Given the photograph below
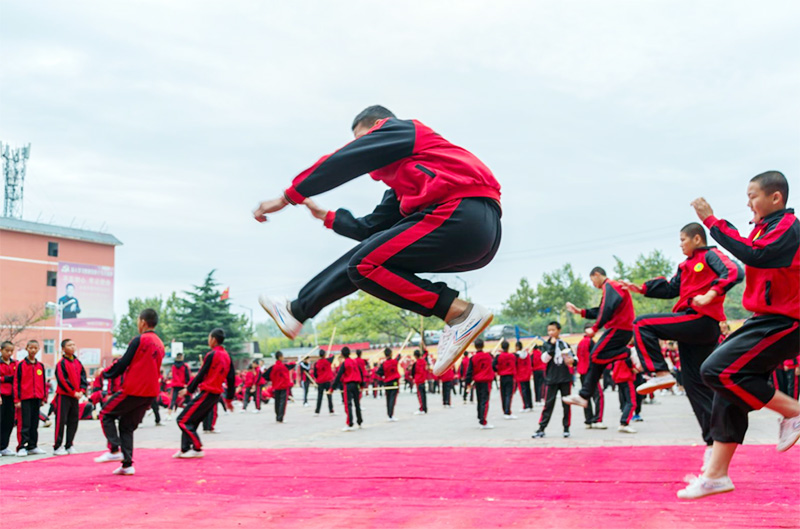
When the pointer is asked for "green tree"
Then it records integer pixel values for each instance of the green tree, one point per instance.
(127, 329)
(558, 287)
(647, 267)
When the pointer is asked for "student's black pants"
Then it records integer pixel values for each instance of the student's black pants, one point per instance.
(352, 401)
(391, 389)
(173, 403)
(469, 391)
(155, 406)
(506, 392)
(550, 392)
(456, 236)
(538, 385)
(67, 417)
(447, 392)
(627, 401)
(210, 420)
(593, 413)
(306, 385)
(7, 420)
(28, 425)
(192, 415)
(739, 369)
(525, 393)
(483, 391)
(280, 404)
(612, 346)
(249, 393)
(129, 411)
(322, 389)
(422, 397)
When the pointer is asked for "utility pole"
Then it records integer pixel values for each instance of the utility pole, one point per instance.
(14, 167)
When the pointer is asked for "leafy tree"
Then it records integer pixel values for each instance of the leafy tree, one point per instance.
(127, 326)
(646, 267)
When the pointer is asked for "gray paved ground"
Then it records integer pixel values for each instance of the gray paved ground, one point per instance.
(669, 422)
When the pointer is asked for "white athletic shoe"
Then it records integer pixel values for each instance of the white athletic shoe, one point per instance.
(588, 426)
(124, 471)
(575, 400)
(348, 429)
(420, 412)
(242, 410)
(190, 454)
(279, 311)
(507, 417)
(487, 427)
(7, 452)
(108, 456)
(656, 383)
(599, 426)
(513, 417)
(254, 410)
(392, 419)
(706, 458)
(456, 338)
(700, 486)
(789, 433)
(625, 428)
(60, 452)
(22, 452)
(36, 451)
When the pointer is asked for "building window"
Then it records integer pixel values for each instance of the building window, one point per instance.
(52, 249)
(51, 278)
(49, 347)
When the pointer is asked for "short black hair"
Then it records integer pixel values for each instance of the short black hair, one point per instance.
(32, 341)
(70, 285)
(219, 335)
(478, 344)
(322, 353)
(518, 345)
(504, 345)
(555, 324)
(278, 355)
(64, 342)
(345, 351)
(178, 355)
(150, 317)
(387, 352)
(695, 228)
(6, 344)
(772, 181)
(370, 115)
(358, 353)
(598, 270)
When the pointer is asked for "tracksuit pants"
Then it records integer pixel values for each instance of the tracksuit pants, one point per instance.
(627, 401)
(538, 385)
(739, 369)
(447, 392)
(422, 397)
(392, 388)
(483, 391)
(7, 420)
(129, 410)
(210, 420)
(250, 393)
(280, 404)
(352, 401)
(506, 392)
(28, 424)
(173, 403)
(469, 392)
(156, 407)
(593, 413)
(192, 415)
(306, 386)
(612, 346)
(456, 236)
(525, 393)
(551, 391)
(67, 417)
(322, 389)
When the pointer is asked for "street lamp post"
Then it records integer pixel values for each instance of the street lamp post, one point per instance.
(466, 292)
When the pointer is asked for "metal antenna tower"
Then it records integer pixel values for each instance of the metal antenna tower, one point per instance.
(14, 165)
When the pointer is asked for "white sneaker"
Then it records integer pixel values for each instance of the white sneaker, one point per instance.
(71, 450)
(348, 429)
(700, 486)
(575, 400)
(599, 426)
(456, 338)
(279, 311)
(36, 451)
(191, 454)
(22, 452)
(392, 419)
(60, 452)
(706, 458)
(513, 417)
(108, 456)
(487, 427)
(656, 383)
(242, 410)
(255, 411)
(124, 471)
(507, 417)
(316, 415)
(788, 433)
(420, 412)
(305, 404)
(626, 429)
(588, 426)
(7, 452)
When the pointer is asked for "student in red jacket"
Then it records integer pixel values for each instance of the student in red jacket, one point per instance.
(71, 385)
(523, 374)
(481, 372)
(442, 213)
(539, 368)
(8, 366)
(141, 368)
(447, 379)
(179, 378)
(30, 390)
(278, 375)
(466, 389)
(389, 373)
(593, 413)
(624, 374)
(615, 314)
(505, 364)
(322, 372)
(419, 370)
(217, 371)
(252, 377)
(351, 378)
(738, 369)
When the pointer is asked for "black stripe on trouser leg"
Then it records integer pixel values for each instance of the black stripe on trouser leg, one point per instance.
(686, 326)
(191, 416)
(613, 345)
(739, 369)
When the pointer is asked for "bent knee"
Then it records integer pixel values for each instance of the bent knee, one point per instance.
(710, 374)
(359, 269)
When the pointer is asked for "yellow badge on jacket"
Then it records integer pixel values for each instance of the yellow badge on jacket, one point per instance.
(698, 267)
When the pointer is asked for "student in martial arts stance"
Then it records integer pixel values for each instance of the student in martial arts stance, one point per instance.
(351, 378)
(278, 375)
(505, 364)
(442, 214)
(593, 413)
(481, 372)
(71, 385)
(323, 374)
(390, 375)
(558, 358)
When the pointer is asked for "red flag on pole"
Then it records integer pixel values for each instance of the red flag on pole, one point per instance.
(225, 294)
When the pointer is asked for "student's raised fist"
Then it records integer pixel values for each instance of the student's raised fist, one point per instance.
(627, 285)
(702, 208)
(572, 308)
(269, 206)
(315, 210)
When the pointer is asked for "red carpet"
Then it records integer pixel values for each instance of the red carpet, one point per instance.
(390, 487)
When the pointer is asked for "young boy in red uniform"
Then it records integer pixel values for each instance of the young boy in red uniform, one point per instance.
(179, 378)
(447, 379)
(738, 369)
(419, 370)
(523, 374)
(593, 413)
(351, 378)
(141, 368)
(71, 385)
(251, 377)
(30, 390)
(389, 373)
(481, 372)
(278, 375)
(8, 366)
(505, 364)
(217, 370)
(624, 375)
(322, 371)
(466, 389)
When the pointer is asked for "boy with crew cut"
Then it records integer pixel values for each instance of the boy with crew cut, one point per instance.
(615, 314)
(350, 376)
(217, 371)
(700, 284)
(390, 375)
(180, 376)
(419, 370)
(278, 375)
(71, 385)
(8, 366)
(30, 390)
(558, 358)
(739, 368)
(140, 368)
(480, 372)
(322, 370)
(505, 364)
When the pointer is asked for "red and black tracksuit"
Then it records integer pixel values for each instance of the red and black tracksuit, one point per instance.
(462, 371)
(252, 379)
(447, 378)
(738, 370)
(278, 374)
(624, 377)
(217, 370)
(695, 328)
(524, 372)
(140, 368)
(593, 413)
(180, 377)
(505, 364)
(615, 314)
(351, 377)
(538, 373)
(70, 379)
(30, 390)
(481, 371)
(7, 409)
(557, 378)
(389, 373)
(419, 370)
(442, 214)
(322, 371)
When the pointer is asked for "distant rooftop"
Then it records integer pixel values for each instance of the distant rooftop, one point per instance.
(24, 226)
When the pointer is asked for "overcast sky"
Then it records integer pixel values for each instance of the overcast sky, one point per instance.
(166, 122)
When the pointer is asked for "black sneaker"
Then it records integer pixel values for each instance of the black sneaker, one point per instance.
(566, 434)
(538, 435)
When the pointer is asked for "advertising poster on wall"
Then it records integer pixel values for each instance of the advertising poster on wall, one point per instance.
(85, 296)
